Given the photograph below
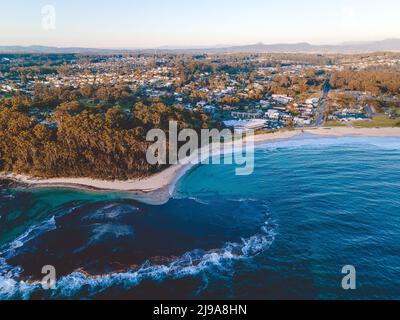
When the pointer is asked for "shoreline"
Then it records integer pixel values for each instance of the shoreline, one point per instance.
(355, 132)
(159, 188)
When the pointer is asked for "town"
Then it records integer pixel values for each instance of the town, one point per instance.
(241, 91)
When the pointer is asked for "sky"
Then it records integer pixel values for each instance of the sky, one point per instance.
(194, 23)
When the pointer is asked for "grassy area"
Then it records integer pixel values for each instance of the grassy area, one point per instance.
(380, 121)
(88, 103)
(126, 107)
(333, 124)
(6, 96)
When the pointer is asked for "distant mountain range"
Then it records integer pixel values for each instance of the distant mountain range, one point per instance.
(385, 45)
(347, 47)
(44, 49)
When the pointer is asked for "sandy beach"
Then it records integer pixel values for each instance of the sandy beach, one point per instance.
(157, 189)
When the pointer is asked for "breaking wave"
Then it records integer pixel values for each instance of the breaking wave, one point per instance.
(189, 264)
(7, 251)
(106, 221)
(312, 141)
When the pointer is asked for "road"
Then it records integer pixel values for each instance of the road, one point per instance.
(320, 116)
(370, 110)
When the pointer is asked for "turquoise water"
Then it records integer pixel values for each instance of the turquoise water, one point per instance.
(312, 206)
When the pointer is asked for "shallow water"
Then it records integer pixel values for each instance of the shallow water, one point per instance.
(312, 206)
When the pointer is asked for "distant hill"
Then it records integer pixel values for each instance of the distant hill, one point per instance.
(373, 46)
(44, 49)
(384, 45)
(303, 47)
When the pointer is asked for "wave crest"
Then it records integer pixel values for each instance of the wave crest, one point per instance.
(190, 264)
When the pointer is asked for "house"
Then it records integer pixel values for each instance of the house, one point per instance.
(285, 116)
(302, 121)
(245, 125)
(247, 115)
(273, 114)
(265, 103)
(352, 117)
(282, 99)
(226, 108)
(312, 101)
(209, 109)
(201, 104)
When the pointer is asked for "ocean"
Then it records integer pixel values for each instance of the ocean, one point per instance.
(312, 206)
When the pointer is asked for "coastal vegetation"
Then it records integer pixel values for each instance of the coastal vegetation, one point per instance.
(71, 140)
(75, 115)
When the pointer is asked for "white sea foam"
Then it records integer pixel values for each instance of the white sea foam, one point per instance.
(244, 200)
(111, 211)
(8, 286)
(28, 235)
(190, 264)
(103, 232)
(198, 200)
(323, 142)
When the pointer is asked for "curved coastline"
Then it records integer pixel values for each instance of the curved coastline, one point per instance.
(159, 188)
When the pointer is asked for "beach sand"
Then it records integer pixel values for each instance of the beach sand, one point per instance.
(158, 189)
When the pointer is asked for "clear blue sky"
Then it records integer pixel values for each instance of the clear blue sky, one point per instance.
(154, 23)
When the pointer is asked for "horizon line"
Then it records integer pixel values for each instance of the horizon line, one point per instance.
(199, 47)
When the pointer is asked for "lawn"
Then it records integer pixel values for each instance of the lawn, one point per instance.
(333, 124)
(380, 121)
(90, 104)
(6, 96)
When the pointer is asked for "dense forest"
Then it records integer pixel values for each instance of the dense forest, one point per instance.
(376, 82)
(78, 141)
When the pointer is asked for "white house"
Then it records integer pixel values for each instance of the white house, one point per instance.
(245, 125)
(312, 101)
(273, 114)
(302, 121)
(282, 98)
